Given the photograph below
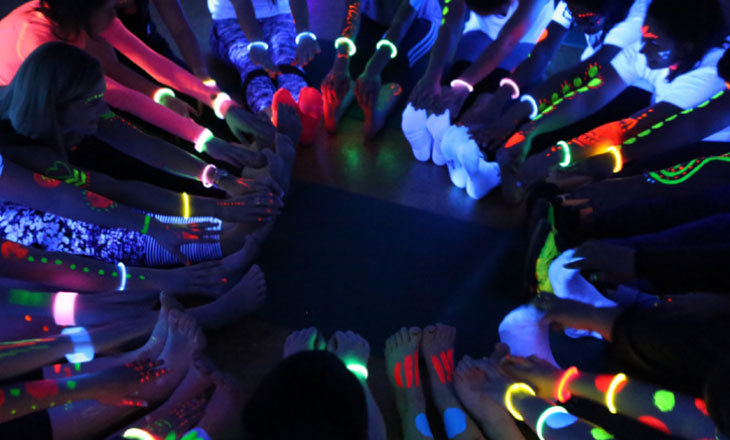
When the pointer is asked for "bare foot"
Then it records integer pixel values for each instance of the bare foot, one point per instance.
(289, 123)
(237, 263)
(307, 339)
(401, 362)
(184, 338)
(222, 418)
(245, 297)
(476, 392)
(438, 353)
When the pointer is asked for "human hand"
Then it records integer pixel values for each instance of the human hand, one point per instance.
(367, 89)
(336, 84)
(451, 98)
(118, 386)
(242, 122)
(537, 168)
(349, 347)
(425, 91)
(258, 206)
(307, 49)
(226, 152)
(605, 263)
(172, 236)
(238, 186)
(262, 57)
(492, 136)
(179, 106)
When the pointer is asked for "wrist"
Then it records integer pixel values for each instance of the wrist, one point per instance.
(304, 34)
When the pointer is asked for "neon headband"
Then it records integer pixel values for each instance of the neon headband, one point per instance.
(203, 138)
(618, 159)
(515, 88)
(64, 308)
(529, 99)
(516, 387)
(540, 425)
(305, 34)
(122, 276)
(562, 393)
(185, 205)
(351, 48)
(390, 45)
(83, 348)
(566, 157)
(359, 370)
(220, 100)
(262, 44)
(161, 93)
(612, 390)
(460, 82)
(205, 178)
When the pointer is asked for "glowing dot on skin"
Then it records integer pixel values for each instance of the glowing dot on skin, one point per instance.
(71, 385)
(58, 262)
(600, 434)
(77, 367)
(15, 392)
(655, 423)
(33, 407)
(28, 318)
(72, 267)
(86, 269)
(664, 400)
(12, 412)
(114, 274)
(701, 406)
(141, 277)
(44, 260)
(31, 259)
(101, 271)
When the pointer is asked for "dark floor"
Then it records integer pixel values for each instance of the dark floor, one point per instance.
(372, 240)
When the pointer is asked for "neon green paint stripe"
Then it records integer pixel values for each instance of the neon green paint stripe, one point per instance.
(689, 174)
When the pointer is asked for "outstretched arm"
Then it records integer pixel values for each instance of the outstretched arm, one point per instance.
(173, 16)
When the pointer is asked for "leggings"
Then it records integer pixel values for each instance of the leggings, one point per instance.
(54, 233)
(229, 43)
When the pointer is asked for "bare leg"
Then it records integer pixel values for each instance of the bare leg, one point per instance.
(375, 118)
(333, 111)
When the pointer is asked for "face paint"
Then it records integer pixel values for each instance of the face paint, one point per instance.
(516, 388)
(196, 434)
(97, 97)
(454, 422)
(444, 366)
(423, 426)
(83, 348)
(146, 226)
(353, 16)
(600, 434)
(45, 182)
(68, 174)
(655, 423)
(553, 411)
(26, 298)
(10, 249)
(648, 35)
(616, 385)
(701, 406)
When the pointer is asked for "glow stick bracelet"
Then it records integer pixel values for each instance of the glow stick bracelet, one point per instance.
(64, 308)
(351, 48)
(612, 390)
(390, 45)
(514, 388)
(566, 154)
(461, 83)
(515, 88)
(83, 348)
(123, 276)
(529, 99)
(205, 178)
(185, 205)
(203, 138)
(161, 93)
(540, 425)
(220, 100)
(262, 44)
(562, 392)
(305, 34)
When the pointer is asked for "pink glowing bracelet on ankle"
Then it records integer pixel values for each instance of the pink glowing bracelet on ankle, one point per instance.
(64, 308)
(208, 180)
(515, 88)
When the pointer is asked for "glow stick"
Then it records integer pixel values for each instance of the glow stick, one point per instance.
(351, 48)
(562, 393)
(461, 83)
(516, 387)
(529, 99)
(161, 93)
(305, 34)
(205, 178)
(83, 348)
(611, 392)
(566, 157)
(203, 138)
(515, 88)
(64, 308)
(262, 44)
(220, 100)
(618, 159)
(540, 425)
(359, 370)
(390, 45)
(123, 274)
(185, 205)
(137, 434)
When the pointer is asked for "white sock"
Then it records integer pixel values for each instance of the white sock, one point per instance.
(453, 137)
(437, 126)
(413, 124)
(482, 176)
(570, 284)
(522, 331)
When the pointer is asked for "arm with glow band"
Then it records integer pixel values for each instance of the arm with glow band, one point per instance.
(541, 415)
(672, 412)
(394, 35)
(157, 66)
(136, 194)
(300, 13)
(246, 14)
(509, 36)
(444, 49)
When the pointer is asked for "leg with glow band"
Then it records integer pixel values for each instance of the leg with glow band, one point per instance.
(280, 31)
(411, 402)
(375, 118)
(438, 353)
